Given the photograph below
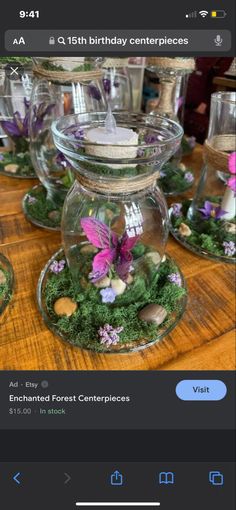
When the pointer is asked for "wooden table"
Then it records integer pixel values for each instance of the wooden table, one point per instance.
(204, 339)
(224, 83)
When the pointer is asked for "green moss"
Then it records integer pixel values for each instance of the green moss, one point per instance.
(22, 60)
(22, 159)
(208, 234)
(5, 292)
(174, 179)
(42, 207)
(82, 327)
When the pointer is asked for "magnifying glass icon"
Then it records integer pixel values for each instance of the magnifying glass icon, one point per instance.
(61, 40)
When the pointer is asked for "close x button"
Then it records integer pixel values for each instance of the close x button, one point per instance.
(201, 390)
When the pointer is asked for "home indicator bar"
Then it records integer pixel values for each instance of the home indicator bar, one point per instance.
(102, 504)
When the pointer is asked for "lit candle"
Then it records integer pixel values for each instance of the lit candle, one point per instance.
(116, 142)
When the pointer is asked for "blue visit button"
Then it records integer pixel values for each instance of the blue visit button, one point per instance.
(201, 390)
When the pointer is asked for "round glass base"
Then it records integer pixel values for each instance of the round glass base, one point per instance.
(191, 242)
(40, 210)
(6, 282)
(175, 180)
(80, 323)
(17, 166)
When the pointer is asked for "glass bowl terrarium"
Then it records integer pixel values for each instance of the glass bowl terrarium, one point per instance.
(15, 160)
(112, 288)
(117, 84)
(173, 74)
(206, 225)
(61, 86)
(6, 282)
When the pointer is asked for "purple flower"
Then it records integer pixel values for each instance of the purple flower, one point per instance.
(94, 92)
(62, 161)
(229, 247)
(57, 266)
(162, 173)
(32, 200)
(39, 113)
(188, 177)
(18, 126)
(150, 138)
(109, 335)
(175, 278)
(191, 141)
(108, 295)
(176, 210)
(107, 85)
(211, 211)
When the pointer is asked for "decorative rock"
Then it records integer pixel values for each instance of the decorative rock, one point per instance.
(155, 257)
(230, 227)
(118, 286)
(88, 248)
(163, 259)
(153, 313)
(184, 230)
(11, 168)
(65, 306)
(103, 283)
(130, 279)
(54, 215)
(182, 167)
(3, 278)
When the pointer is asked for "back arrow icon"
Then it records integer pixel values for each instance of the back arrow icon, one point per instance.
(16, 478)
(67, 478)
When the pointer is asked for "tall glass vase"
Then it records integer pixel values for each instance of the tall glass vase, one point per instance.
(117, 84)
(210, 217)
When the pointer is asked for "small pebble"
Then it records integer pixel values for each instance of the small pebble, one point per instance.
(3, 278)
(11, 168)
(118, 286)
(184, 230)
(130, 279)
(54, 215)
(153, 313)
(155, 257)
(103, 283)
(88, 248)
(230, 227)
(65, 306)
(182, 167)
(163, 258)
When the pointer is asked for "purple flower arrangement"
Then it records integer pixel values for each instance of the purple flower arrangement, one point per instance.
(18, 127)
(211, 211)
(109, 335)
(39, 114)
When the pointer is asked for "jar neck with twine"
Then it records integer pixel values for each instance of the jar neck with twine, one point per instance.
(66, 76)
(216, 151)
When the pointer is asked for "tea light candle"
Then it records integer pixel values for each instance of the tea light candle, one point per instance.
(116, 142)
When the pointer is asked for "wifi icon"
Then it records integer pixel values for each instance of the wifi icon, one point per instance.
(203, 14)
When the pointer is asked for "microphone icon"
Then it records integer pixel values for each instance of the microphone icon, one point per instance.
(218, 40)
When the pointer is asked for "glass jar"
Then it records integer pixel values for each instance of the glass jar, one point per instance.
(173, 75)
(114, 230)
(15, 160)
(61, 86)
(21, 85)
(210, 217)
(117, 84)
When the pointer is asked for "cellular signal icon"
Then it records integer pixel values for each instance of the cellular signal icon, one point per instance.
(191, 15)
(203, 14)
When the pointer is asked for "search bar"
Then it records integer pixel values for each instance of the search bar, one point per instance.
(126, 41)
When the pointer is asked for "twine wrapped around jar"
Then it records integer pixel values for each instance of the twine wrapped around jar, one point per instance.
(176, 63)
(66, 76)
(115, 62)
(120, 185)
(216, 151)
(165, 105)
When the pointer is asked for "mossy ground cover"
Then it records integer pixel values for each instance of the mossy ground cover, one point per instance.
(5, 288)
(23, 162)
(81, 328)
(38, 207)
(174, 179)
(207, 234)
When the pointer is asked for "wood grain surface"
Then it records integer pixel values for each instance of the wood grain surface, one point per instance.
(204, 339)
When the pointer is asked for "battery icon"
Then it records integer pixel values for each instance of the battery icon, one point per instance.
(218, 14)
